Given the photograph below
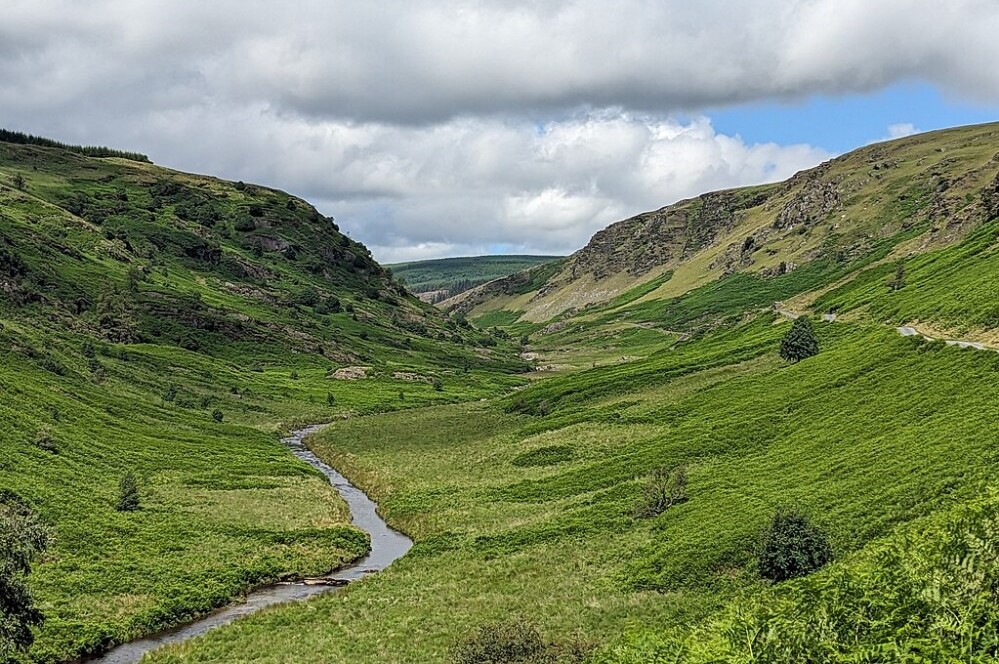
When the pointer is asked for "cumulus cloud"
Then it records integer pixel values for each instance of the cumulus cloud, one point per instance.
(901, 130)
(407, 61)
(471, 185)
(463, 125)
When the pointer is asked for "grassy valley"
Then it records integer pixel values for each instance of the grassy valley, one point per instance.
(170, 326)
(529, 494)
(533, 512)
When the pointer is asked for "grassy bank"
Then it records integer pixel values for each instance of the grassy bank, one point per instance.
(520, 513)
(170, 326)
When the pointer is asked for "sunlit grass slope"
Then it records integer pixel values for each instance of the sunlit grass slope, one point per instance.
(171, 325)
(526, 506)
(880, 203)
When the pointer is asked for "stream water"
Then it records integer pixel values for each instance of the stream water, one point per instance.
(387, 545)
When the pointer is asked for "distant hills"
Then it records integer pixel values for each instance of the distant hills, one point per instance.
(437, 280)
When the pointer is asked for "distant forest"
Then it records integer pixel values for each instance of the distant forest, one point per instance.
(20, 138)
(446, 277)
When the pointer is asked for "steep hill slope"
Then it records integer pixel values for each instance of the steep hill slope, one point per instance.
(169, 325)
(536, 511)
(878, 204)
(436, 280)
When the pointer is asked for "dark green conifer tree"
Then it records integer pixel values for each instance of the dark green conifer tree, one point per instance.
(799, 342)
(128, 493)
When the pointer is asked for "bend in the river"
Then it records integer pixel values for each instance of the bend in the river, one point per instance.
(387, 545)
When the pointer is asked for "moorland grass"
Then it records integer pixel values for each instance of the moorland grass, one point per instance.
(874, 433)
(170, 326)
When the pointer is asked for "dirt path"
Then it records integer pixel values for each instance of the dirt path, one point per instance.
(905, 331)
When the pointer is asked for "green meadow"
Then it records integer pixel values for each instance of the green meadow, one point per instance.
(171, 327)
(526, 506)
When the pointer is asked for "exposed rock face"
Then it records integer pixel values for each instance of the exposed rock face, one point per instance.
(350, 373)
(935, 188)
(411, 377)
(816, 200)
(665, 236)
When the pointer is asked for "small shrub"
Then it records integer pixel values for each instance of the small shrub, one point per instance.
(53, 365)
(330, 399)
(171, 394)
(309, 297)
(438, 384)
(87, 349)
(792, 547)
(128, 493)
(217, 415)
(664, 488)
(516, 642)
(45, 442)
(496, 643)
(294, 375)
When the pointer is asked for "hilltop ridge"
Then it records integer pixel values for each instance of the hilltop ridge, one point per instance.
(882, 202)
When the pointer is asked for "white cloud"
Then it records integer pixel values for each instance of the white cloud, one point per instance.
(466, 186)
(901, 130)
(460, 125)
(416, 61)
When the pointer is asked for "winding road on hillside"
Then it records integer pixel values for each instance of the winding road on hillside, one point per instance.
(387, 545)
(905, 330)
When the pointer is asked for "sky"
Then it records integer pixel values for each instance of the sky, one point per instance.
(463, 127)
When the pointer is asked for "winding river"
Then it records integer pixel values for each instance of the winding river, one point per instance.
(387, 545)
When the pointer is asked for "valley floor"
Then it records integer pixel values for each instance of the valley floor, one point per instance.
(526, 506)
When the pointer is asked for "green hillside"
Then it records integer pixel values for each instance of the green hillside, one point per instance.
(532, 512)
(170, 325)
(614, 502)
(534, 506)
(446, 277)
(885, 203)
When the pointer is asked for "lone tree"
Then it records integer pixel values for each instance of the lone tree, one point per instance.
(128, 493)
(664, 488)
(799, 343)
(792, 547)
(22, 538)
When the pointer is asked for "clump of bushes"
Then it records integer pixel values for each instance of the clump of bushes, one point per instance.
(24, 538)
(792, 547)
(45, 442)
(218, 415)
(664, 488)
(516, 642)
